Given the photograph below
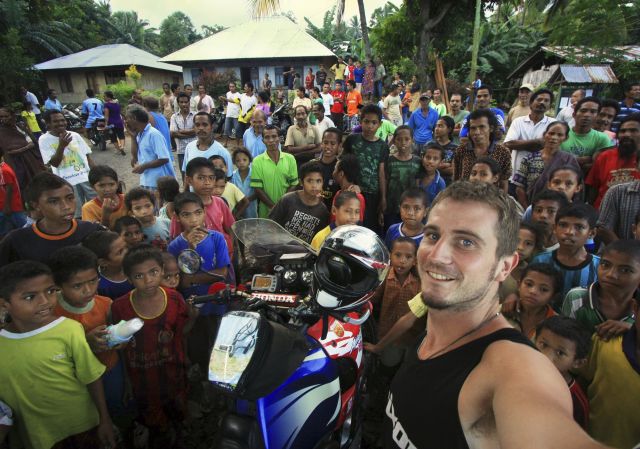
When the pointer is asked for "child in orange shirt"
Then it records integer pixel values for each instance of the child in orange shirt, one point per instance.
(108, 205)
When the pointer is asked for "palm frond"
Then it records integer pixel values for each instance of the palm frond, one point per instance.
(263, 8)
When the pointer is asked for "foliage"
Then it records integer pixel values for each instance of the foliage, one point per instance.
(211, 30)
(122, 91)
(133, 75)
(176, 32)
(381, 13)
(405, 66)
(19, 71)
(342, 39)
(134, 31)
(216, 83)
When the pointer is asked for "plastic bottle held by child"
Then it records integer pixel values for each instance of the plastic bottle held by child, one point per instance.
(123, 331)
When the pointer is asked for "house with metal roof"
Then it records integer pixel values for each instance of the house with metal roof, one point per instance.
(251, 49)
(96, 67)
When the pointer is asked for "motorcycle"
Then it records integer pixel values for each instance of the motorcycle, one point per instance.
(296, 372)
(282, 119)
(218, 117)
(99, 134)
(72, 114)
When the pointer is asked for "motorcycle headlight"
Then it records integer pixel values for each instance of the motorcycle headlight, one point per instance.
(307, 276)
(290, 276)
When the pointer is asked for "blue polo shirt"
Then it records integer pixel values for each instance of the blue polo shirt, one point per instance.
(253, 143)
(163, 127)
(192, 151)
(435, 187)
(94, 110)
(422, 125)
(52, 105)
(151, 147)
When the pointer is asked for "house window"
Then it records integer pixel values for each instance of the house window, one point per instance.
(113, 76)
(64, 79)
(195, 77)
(278, 80)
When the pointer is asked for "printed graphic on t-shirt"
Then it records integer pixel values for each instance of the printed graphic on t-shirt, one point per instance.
(302, 225)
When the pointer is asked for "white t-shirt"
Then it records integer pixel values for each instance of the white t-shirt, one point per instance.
(523, 128)
(325, 124)
(247, 102)
(74, 166)
(233, 109)
(327, 102)
(207, 103)
(392, 107)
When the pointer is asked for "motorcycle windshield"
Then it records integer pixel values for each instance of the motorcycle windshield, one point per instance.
(262, 241)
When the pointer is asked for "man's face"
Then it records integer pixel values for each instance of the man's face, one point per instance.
(457, 260)
(188, 90)
(604, 118)
(301, 115)
(53, 95)
(183, 104)
(258, 123)
(523, 96)
(338, 86)
(58, 205)
(541, 104)
(586, 115)
(455, 102)
(318, 113)
(480, 131)
(629, 138)
(166, 89)
(132, 124)
(202, 126)
(483, 99)
(201, 91)
(437, 94)
(232, 87)
(247, 89)
(576, 96)
(325, 88)
(57, 124)
(634, 92)
(271, 139)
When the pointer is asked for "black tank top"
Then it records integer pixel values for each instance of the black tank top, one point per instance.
(422, 411)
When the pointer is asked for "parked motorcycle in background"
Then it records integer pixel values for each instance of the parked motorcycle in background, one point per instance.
(99, 134)
(282, 119)
(71, 112)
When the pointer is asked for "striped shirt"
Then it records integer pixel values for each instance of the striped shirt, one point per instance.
(624, 111)
(619, 208)
(579, 276)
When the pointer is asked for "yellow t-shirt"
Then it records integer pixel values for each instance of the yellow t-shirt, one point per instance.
(320, 237)
(44, 376)
(417, 307)
(232, 194)
(32, 123)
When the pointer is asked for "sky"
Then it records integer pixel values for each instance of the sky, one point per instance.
(231, 12)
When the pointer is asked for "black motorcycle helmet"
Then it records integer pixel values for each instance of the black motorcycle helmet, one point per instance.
(352, 263)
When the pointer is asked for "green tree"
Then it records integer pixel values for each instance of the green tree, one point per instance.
(135, 31)
(176, 31)
(211, 30)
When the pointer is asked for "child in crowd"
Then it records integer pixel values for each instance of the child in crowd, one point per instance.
(302, 212)
(575, 223)
(566, 343)
(54, 200)
(414, 205)
(130, 229)
(67, 407)
(567, 180)
(346, 209)
(606, 306)
(75, 271)
(330, 147)
(229, 192)
(110, 249)
(168, 188)
(613, 387)
(429, 179)
(171, 272)
(545, 206)
(30, 119)
(541, 284)
(200, 175)
(141, 205)
(401, 170)
(12, 214)
(108, 205)
(487, 169)
(346, 176)
(155, 357)
(241, 178)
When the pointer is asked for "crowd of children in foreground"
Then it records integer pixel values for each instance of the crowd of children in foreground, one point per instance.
(63, 281)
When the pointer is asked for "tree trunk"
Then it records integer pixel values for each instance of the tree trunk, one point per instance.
(365, 30)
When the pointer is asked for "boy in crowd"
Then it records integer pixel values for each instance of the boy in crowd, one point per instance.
(223, 188)
(67, 154)
(273, 173)
(330, 148)
(108, 205)
(155, 357)
(566, 343)
(52, 198)
(372, 153)
(414, 205)
(141, 205)
(606, 306)
(345, 174)
(38, 345)
(544, 208)
(613, 387)
(130, 229)
(302, 212)
(110, 249)
(575, 224)
(12, 214)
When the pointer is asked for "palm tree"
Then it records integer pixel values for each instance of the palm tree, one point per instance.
(363, 23)
(132, 30)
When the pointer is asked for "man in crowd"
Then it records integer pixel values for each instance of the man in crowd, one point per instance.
(437, 103)
(378, 78)
(567, 113)
(181, 127)
(303, 140)
(583, 141)
(521, 109)
(483, 101)
(287, 77)
(617, 165)
(232, 100)
(338, 70)
(323, 122)
(301, 99)
(391, 106)
(248, 103)
(30, 97)
(52, 103)
(327, 98)
(92, 110)
(266, 84)
(166, 102)
(205, 102)
(457, 114)
(630, 104)
(337, 109)
(618, 212)
(525, 133)
(354, 99)
(193, 102)
(205, 144)
(136, 97)
(252, 138)
(321, 76)
(474, 381)
(608, 112)
(422, 122)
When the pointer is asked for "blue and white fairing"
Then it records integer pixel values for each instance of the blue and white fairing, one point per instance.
(304, 410)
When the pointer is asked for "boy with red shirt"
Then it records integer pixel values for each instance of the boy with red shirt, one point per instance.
(11, 211)
(337, 109)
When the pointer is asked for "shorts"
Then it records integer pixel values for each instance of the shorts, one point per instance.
(117, 133)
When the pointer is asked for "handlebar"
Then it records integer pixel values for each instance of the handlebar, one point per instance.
(357, 321)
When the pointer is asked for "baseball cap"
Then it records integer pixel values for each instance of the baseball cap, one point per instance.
(424, 97)
(527, 86)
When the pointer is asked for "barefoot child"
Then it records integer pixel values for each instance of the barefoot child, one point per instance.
(346, 209)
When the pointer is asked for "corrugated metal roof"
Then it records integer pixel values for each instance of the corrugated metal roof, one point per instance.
(628, 52)
(274, 37)
(588, 74)
(108, 56)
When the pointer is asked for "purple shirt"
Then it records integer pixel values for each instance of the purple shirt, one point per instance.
(115, 118)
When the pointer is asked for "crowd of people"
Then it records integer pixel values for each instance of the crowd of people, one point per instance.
(508, 231)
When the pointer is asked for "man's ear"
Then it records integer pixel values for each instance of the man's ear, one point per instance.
(506, 265)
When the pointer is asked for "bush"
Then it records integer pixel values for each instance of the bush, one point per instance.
(121, 90)
(217, 83)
